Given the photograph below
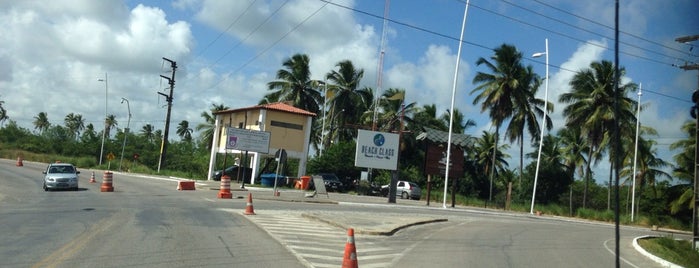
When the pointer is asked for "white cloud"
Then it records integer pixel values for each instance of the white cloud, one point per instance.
(58, 51)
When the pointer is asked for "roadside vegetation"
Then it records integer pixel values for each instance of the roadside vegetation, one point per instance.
(504, 88)
(675, 251)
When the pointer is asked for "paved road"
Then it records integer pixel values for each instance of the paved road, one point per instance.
(146, 222)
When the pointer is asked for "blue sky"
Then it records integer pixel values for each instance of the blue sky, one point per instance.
(52, 54)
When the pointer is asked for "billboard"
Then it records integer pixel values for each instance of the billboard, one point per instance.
(376, 150)
(247, 140)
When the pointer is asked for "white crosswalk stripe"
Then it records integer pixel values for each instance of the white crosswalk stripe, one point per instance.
(319, 244)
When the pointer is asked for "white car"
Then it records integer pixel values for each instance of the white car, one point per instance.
(405, 190)
(61, 176)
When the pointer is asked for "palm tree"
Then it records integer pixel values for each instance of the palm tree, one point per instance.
(650, 168)
(109, 123)
(74, 123)
(342, 86)
(184, 131)
(527, 111)
(498, 89)
(485, 151)
(207, 128)
(573, 149)
(392, 108)
(3, 112)
(295, 84)
(41, 122)
(684, 169)
(147, 132)
(591, 107)
(458, 124)
(427, 117)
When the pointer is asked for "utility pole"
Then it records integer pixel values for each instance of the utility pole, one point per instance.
(171, 81)
(695, 115)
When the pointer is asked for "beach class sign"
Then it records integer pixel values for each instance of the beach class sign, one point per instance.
(376, 150)
(247, 140)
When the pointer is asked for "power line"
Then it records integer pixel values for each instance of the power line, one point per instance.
(593, 32)
(263, 51)
(227, 28)
(487, 48)
(609, 27)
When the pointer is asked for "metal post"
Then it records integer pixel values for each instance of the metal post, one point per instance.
(635, 153)
(106, 94)
(543, 123)
(126, 131)
(451, 110)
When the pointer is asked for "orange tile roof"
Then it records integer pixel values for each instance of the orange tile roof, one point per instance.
(277, 106)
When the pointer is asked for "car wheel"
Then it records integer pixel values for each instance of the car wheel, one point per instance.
(404, 195)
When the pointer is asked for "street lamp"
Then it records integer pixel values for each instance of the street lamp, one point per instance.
(126, 131)
(106, 90)
(635, 152)
(543, 120)
(322, 130)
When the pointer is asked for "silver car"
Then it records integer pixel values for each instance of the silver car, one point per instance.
(405, 190)
(61, 176)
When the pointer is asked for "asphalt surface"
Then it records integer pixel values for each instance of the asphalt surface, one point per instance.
(362, 224)
(385, 225)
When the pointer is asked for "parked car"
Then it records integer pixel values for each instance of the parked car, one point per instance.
(232, 172)
(60, 176)
(332, 182)
(405, 190)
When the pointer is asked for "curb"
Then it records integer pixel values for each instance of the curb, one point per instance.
(358, 230)
(656, 259)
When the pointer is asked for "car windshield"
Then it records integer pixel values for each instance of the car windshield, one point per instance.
(62, 169)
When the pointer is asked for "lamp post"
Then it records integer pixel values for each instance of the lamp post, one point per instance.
(126, 131)
(543, 120)
(322, 130)
(106, 90)
(635, 152)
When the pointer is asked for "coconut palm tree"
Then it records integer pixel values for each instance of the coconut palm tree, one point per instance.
(207, 128)
(497, 90)
(527, 111)
(458, 124)
(573, 149)
(3, 112)
(147, 132)
(74, 123)
(184, 131)
(484, 151)
(393, 109)
(649, 170)
(109, 123)
(294, 84)
(684, 169)
(426, 116)
(343, 86)
(41, 122)
(591, 108)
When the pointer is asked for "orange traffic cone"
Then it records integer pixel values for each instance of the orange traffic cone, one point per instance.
(19, 161)
(350, 259)
(248, 208)
(92, 178)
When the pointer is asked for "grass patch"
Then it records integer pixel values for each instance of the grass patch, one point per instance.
(676, 251)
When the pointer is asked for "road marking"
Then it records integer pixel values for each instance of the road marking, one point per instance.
(318, 244)
(614, 254)
(76, 244)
